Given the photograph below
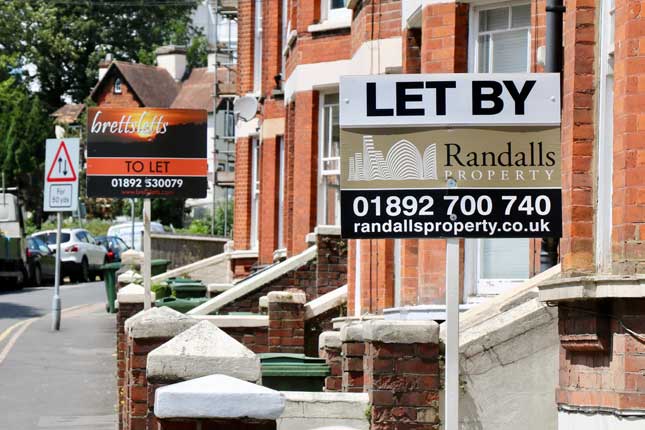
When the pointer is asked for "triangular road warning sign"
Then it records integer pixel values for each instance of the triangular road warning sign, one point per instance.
(62, 168)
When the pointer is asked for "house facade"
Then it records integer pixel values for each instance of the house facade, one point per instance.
(291, 55)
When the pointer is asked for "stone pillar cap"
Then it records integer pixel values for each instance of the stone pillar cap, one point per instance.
(296, 297)
(218, 396)
(400, 331)
(199, 351)
(132, 256)
(158, 322)
(132, 293)
(129, 276)
(329, 339)
(352, 332)
(263, 302)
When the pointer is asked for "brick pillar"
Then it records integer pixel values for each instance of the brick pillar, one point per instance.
(269, 184)
(129, 305)
(287, 321)
(576, 245)
(145, 332)
(402, 374)
(331, 264)
(352, 351)
(330, 350)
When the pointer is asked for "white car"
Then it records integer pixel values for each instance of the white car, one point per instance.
(81, 257)
(124, 231)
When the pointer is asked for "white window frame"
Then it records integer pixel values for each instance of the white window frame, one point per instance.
(323, 172)
(281, 182)
(117, 86)
(474, 284)
(257, 48)
(474, 33)
(284, 27)
(255, 192)
(336, 15)
(605, 139)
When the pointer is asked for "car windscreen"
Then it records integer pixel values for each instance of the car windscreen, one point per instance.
(50, 238)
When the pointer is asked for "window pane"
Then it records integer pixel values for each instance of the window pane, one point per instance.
(484, 54)
(521, 16)
(335, 133)
(332, 196)
(336, 4)
(505, 259)
(510, 51)
(493, 19)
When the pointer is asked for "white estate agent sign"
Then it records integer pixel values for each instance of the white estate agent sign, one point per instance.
(450, 155)
(61, 175)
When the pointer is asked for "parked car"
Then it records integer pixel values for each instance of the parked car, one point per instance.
(124, 231)
(114, 245)
(41, 261)
(81, 257)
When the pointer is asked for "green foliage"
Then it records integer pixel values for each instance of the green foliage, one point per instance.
(161, 290)
(97, 227)
(203, 225)
(197, 55)
(66, 41)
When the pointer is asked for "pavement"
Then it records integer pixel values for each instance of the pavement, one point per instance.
(62, 380)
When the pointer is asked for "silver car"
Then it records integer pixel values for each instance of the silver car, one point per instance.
(81, 257)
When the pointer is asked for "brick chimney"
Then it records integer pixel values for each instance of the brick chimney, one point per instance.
(173, 59)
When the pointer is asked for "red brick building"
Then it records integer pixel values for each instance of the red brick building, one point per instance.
(288, 167)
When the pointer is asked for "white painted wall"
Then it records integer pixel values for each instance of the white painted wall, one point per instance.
(579, 421)
(175, 64)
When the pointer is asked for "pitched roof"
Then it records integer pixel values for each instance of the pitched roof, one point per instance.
(197, 91)
(152, 85)
(69, 113)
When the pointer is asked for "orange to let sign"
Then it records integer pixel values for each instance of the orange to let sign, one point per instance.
(147, 152)
(142, 166)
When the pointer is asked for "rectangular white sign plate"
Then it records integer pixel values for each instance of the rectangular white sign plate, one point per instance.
(61, 175)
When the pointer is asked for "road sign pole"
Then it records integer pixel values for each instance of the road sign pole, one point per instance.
(56, 303)
(451, 417)
(147, 254)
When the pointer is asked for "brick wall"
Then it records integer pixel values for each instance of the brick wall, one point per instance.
(576, 246)
(352, 378)
(245, 31)
(107, 97)
(254, 338)
(269, 184)
(243, 166)
(125, 311)
(290, 186)
(601, 364)
(305, 169)
(376, 19)
(629, 135)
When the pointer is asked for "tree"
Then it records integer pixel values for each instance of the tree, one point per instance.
(24, 126)
(66, 39)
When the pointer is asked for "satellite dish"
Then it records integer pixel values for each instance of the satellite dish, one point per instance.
(246, 107)
(59, 132)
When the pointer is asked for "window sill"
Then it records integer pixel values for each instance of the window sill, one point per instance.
(330, 25)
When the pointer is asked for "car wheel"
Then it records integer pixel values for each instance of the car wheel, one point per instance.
(85, 271)
(36, 276)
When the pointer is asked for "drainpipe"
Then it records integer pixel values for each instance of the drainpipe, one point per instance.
(553, 64)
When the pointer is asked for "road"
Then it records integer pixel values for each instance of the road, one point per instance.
(57, 380)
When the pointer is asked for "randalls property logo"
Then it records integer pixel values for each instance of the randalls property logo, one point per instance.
(404, 160)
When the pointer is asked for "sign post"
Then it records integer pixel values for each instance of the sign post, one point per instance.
(147, 153)
(450, 156)
(60, 195)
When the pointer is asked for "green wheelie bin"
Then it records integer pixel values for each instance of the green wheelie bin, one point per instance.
(293, 372)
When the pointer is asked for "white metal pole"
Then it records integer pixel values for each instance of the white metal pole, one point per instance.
(451, 387)
(147, 253)
(56, 303)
